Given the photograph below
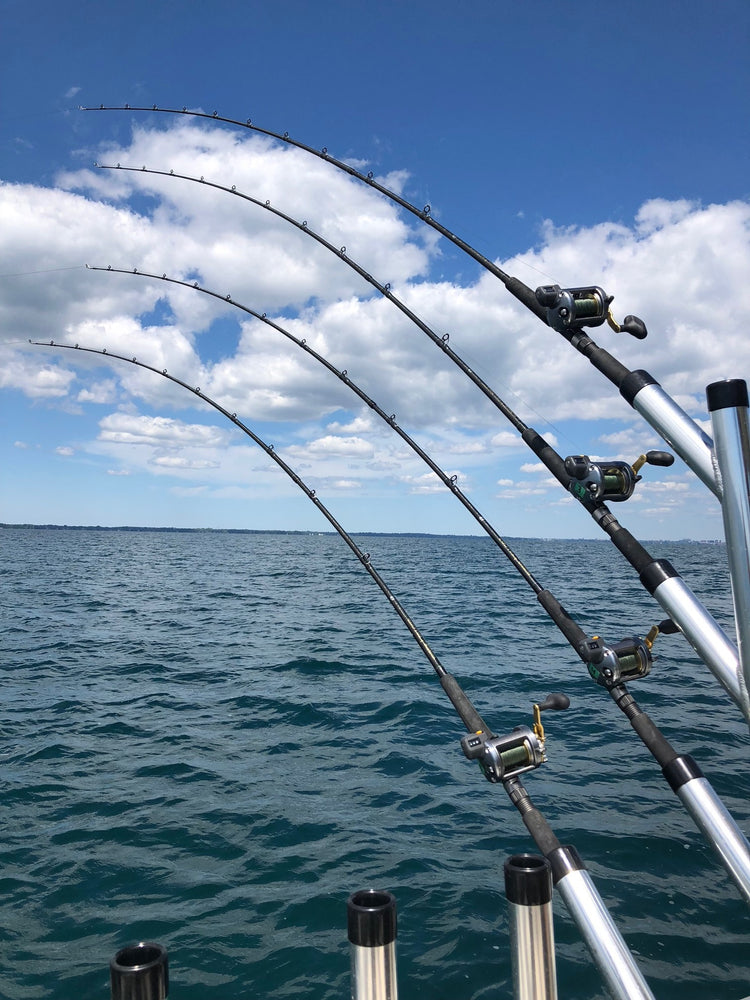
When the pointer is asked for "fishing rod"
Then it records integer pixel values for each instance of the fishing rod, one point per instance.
(340, 252)
(460, 702)
(451, 482)
(591, 483)
(636, 653)
(502, 759)
(565, 310)
(323, 154)
(608, 665)
(570, 310)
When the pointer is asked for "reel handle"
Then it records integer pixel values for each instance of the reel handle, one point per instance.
(557, 702)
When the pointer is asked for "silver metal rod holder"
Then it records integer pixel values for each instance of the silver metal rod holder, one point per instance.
(719, 828)
(528, 889)
(728, 406)
(678, 429)
(702, 632)
(612, 956)
(371, 927)
(140, 972)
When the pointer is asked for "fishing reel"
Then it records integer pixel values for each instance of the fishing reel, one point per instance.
(570, 309)
(505, 757)
(624, 661)
(609, 481)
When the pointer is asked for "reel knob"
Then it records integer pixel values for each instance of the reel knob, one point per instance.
(556, 702)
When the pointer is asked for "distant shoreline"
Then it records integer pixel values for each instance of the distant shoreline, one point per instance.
(283, 531)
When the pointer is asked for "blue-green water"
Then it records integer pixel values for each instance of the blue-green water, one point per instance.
(211, 739)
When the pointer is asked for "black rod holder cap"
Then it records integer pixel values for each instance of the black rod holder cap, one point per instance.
(727, 393)
(371, 918)
(140, 972)
(528, 880)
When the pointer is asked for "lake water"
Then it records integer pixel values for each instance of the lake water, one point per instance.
(209, 739)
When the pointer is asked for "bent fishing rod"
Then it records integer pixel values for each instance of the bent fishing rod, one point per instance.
(564, 310)
(591, 483)
(463, 706)
(451, 482)
(636, 653)
(610, 665)
(502, 759)
(723, 466)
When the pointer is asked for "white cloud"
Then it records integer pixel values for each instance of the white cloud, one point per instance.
(104, 391)
(428, 482)
(331, 445)
(180, 462)
(677, 265)
(680, 265)
(125, 428)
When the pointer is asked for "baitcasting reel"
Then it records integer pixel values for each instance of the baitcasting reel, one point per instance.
(624, 661)
(504, 757)
(574, 308)
(609, 480)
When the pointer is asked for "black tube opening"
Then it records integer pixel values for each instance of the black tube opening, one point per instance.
(140, 972)
(528, 880)
(371, 918)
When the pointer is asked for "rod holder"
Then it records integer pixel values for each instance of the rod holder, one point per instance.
(371, 927)
(728, 406)
(528, 889)
(140, 972)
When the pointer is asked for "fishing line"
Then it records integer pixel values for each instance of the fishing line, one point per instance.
(44, 270)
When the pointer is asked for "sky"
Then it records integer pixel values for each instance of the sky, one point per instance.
(578, 144)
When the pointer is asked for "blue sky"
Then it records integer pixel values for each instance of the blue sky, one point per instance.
(576, 143)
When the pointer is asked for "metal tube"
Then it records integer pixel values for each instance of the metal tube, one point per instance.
(371, 926)
(679, 431)
(528, 889)
(717, 825)
(728, 406)
(140, 972)
(612, 956)
(702, 632)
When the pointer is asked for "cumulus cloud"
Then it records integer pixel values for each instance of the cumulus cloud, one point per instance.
(680, 265)
(125, 428)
